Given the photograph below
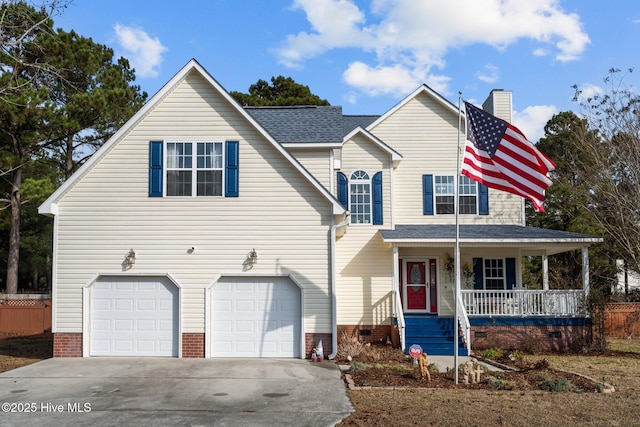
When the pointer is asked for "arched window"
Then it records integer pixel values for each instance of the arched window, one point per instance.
(360, 197)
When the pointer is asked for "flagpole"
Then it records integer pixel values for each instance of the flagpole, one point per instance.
(457, 252)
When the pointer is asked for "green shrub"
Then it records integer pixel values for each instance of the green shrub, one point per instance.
(557, 385)
(492, 353)
(500, 383)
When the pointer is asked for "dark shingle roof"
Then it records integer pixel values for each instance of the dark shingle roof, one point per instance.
(483, 232)
(352, 122)
(300, 124)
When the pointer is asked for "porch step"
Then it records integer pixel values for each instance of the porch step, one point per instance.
(434, 334)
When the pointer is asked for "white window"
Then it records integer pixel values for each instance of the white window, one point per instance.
(360, 197)
(194, 174)
(468, 195)
(494, 274)
(445, 196)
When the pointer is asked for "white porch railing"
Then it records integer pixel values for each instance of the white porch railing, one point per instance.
(399, 315)
(463, 322)
(520, 302)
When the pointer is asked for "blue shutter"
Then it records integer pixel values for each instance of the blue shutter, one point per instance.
(483, 199)
(376, 183)
(427, 194)
(155, 168)
(478, 273)
(511, 272)
(343, 190)
(231, 169)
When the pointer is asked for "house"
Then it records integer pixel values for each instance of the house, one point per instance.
(205, 229)
(628, 281)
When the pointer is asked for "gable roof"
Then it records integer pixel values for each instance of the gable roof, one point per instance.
(49, 206)
(300, 124)
(351, 122)
(423, 89)
(395, 156)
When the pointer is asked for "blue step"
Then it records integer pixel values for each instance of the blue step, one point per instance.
(434, 334)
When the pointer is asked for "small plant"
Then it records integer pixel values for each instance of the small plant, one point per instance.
(433, 368)
(500, 383)
(358, 366)
(492, 353)
(557, 385)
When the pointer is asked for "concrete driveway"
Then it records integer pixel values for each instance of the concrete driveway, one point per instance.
(173, 392)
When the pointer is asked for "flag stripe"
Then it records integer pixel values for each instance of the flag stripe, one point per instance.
(499, 156)
(479, 167)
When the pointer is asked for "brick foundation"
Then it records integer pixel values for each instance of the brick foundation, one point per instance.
(530, 338)
(369, 333)
(193, 345)
(311, 341)
(67, 344)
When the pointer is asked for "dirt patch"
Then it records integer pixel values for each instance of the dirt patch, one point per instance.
(18, 350)
(537, 377)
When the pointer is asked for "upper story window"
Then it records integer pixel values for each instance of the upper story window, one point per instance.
(439, 195)
(360, 197)
(193, 169)
(468, 195)
(444, 195)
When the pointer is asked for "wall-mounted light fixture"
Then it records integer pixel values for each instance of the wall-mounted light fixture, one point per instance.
(131, 257)
(253, 256)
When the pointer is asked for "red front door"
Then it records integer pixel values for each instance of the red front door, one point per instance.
(420, 286)
(416, 286)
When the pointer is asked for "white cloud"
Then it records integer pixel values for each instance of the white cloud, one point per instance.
(488, 74)
(532, 120)
(409, 38)
(143, 51)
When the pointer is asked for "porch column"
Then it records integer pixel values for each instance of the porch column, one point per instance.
(396, 272)
(585, 270)
(545, 272)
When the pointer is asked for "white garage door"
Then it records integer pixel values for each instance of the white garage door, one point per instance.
(255, 317)
(134, 316)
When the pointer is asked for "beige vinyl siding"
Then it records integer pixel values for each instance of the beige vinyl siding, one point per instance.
(108, 212)
(364, 264)
(317, 161)
(499, 104)
(425, 133)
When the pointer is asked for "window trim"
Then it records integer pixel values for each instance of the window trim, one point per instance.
(368, 181)
(194, 169)
(435, 195)
(485, 276)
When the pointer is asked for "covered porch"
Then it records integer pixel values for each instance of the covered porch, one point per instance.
(491, 284)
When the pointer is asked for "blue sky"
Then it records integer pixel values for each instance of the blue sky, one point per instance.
(367, 55)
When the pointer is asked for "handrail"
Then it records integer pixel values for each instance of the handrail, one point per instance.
(463, 320)
(524, 302)
(399, 315)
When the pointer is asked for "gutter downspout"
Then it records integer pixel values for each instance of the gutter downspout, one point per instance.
(334, 311)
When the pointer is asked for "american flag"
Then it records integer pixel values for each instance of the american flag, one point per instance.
(499, 156)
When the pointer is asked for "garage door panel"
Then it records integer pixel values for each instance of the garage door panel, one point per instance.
(134, 317)
(255, 317)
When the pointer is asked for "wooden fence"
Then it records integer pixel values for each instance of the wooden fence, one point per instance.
(29, 313)
(622, 319)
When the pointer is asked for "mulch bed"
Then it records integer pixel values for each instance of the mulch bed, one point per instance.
(386, 367)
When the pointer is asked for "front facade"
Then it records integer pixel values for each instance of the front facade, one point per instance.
(204, 229)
